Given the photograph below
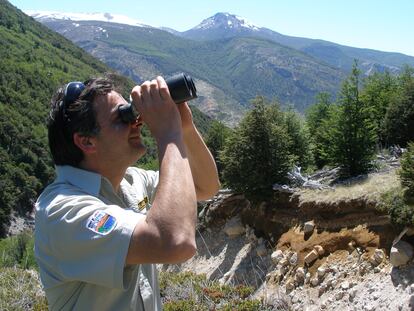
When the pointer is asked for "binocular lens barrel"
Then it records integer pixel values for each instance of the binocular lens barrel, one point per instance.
(181, 87)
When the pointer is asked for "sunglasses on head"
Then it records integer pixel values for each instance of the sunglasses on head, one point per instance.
(72, 93)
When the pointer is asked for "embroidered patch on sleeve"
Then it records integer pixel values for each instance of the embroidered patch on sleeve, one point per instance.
(101, 222)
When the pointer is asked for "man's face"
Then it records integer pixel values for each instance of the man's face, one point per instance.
(117, 142)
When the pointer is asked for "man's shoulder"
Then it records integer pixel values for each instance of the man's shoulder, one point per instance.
(59, 192)
(136, 172)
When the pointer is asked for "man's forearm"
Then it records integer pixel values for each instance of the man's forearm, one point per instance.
(203, 167)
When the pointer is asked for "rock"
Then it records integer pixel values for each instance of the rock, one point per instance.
(261, 250)
(308, 227)
(234, 227)
(352, 245)
(274, 277)
(289, 285)
(319, 249)
(314, 281)
(293, 260)
(377, 257)
(277, 256)
(339, 295)
(401, 253)
(345, 285)
(307, 278)
(352, 293)
(322, 290)
(321, 272)
(311, 257)
(227, 277)
(283, 269)
(300, 275)
(284, 262)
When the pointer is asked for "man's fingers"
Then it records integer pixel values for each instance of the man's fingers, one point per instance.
(145, 92)
(135, 97)
(163, 88)
(155, 94)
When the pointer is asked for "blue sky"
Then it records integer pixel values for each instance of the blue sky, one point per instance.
(386, 25)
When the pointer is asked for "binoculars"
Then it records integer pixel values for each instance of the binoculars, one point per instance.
(181, 87)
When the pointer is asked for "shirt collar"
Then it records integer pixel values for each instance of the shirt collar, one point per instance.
(86, 180)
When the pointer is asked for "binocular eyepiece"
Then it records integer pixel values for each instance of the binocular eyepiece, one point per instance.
(181, 87)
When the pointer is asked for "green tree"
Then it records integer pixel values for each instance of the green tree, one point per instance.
(256, 154)
(300, 146)
(353, 134)
(406, 172)
(399, 119)
(318, 121)
(215, 140)
(380, 90)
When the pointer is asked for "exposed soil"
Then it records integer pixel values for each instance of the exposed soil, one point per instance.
(343, 241)
(349, 231)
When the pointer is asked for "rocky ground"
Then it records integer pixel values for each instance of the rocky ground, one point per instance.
(343, 280)
(336, 262)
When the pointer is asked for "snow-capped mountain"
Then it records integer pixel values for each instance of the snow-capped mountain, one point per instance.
(102, 17)
(222, 25)
(226, 20)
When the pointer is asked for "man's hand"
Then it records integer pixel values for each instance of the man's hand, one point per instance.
(153, 102)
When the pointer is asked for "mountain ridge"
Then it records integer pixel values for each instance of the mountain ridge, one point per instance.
(232, 59)
(219, 27)
(231, 71)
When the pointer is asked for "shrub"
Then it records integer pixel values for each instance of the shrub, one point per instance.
(406, 172)
(400, 209)
(256, 155)
(18, 251)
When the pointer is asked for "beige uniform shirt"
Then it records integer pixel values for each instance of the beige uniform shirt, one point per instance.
(82, 234)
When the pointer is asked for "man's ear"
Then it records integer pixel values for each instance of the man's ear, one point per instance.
(85, 143)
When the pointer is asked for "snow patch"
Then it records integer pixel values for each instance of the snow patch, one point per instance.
(102, 17)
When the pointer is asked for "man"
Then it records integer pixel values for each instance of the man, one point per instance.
(102, 224)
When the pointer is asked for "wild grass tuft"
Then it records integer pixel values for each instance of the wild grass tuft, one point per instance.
(21, 290)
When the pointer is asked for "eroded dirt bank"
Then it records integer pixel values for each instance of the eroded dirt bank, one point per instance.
(237, 243)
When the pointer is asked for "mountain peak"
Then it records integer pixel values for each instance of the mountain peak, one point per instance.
(226, 21)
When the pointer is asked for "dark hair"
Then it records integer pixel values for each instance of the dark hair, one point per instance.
(77, 117)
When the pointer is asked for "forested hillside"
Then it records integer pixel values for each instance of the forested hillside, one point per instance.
(34, 62)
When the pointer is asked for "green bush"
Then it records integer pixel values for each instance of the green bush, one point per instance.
(406, 172)
(399, 207)
(256, 155)
(18, 251)
(182, 305)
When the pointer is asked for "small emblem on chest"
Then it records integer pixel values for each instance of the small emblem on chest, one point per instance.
(141, 205)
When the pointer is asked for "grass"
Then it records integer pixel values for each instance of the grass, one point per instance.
(371, 188)
(21, 290)
(187, 291)
(18, 251)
